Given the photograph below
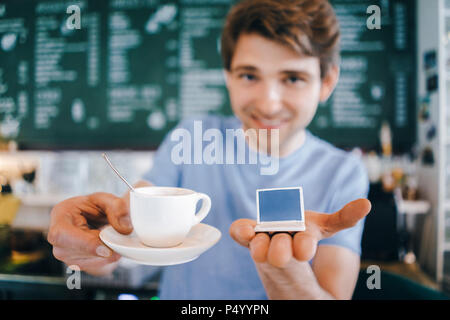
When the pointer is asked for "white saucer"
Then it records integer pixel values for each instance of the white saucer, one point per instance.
(200, 238)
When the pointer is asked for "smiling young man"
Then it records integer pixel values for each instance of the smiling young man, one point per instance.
(281, 60)
(272, 87)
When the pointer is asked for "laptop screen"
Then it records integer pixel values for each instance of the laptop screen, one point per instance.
(280, 205)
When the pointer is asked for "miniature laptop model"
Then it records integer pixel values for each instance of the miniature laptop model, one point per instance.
(280, 209)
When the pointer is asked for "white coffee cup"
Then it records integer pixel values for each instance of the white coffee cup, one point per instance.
(163, 216)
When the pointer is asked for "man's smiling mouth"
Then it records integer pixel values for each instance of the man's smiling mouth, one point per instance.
(265, 123)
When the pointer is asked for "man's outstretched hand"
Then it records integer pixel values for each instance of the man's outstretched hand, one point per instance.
(75, 238)
(280, 249)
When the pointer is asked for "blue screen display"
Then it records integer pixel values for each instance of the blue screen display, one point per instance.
(280, 205)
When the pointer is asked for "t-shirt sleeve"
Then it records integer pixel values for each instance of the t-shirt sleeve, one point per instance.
(351, 183)
(164, 172)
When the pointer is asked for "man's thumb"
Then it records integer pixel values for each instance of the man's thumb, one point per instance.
(116, 210)
(349, 215)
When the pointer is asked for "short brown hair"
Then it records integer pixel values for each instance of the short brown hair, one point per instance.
(309, 27)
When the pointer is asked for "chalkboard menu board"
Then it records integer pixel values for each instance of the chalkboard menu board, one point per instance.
(134, 68)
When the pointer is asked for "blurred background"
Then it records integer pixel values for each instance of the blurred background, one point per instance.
(118, 76)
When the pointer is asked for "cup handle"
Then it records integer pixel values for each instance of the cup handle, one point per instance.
(204, 210)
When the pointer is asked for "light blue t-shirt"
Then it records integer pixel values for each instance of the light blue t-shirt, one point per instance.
(329, 176)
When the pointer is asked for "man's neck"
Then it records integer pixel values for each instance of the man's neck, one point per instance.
(292, 144)
(289, 146)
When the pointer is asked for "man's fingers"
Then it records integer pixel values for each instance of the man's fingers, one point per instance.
(94, 265)
(116, 210)
(347, 217)
(305, 246)
(280, 250)
(82, 259)
(83, 240)
(259, 247)
(242, 231)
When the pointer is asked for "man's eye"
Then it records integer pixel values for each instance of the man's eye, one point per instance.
(247, 76)
(294, 80)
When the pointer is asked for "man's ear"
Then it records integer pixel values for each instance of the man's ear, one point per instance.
(329, 82)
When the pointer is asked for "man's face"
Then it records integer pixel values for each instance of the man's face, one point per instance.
(273, 87)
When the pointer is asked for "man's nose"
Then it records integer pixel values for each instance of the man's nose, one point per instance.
(270, 99)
